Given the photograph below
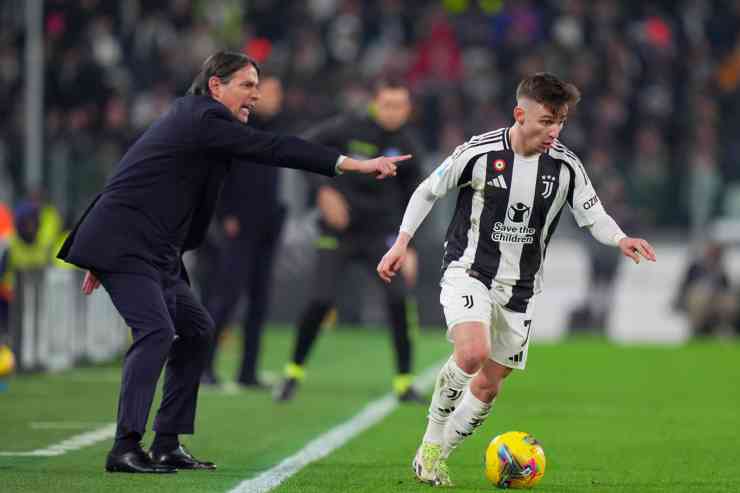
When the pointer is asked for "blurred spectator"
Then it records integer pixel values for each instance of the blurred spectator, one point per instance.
(648, 177)
(704, 186)
(6, 290)
(653, 73)
(32, 246)
(592, 315)
(706, 296)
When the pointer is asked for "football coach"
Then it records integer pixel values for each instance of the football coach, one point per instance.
(157, 205)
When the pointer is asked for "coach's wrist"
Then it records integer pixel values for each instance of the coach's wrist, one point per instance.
(338, 165)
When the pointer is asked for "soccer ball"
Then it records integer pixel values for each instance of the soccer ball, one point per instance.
(515, 460)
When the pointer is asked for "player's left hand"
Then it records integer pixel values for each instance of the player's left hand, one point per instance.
(635, 248)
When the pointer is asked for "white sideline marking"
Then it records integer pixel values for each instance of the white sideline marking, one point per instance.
(326, 443)
(63, 425)
(69, 445)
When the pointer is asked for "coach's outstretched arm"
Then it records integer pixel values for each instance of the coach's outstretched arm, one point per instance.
(219, 131)
(382, 166)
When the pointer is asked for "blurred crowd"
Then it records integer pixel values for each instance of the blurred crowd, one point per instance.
(657, 126)
(660, 80)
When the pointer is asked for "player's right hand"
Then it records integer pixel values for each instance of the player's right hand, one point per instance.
(90, 283)
(392, 262)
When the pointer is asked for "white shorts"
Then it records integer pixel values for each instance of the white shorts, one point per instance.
(466, 299)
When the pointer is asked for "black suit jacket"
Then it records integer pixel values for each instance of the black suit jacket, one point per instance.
(160, 199)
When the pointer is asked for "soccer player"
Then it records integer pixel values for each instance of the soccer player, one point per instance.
(359, 221)
(157, 205)
(513, 184)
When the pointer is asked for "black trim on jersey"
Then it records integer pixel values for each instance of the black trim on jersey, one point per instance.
(486, 142)
(495, 205)
(558, 146)
(572, 184)
(507, 139)
(467, 175)
(553, 227)
(520, 296)
(478, 140)
(530, 260)
(456, 238)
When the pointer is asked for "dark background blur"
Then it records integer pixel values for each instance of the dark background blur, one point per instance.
(657, 126)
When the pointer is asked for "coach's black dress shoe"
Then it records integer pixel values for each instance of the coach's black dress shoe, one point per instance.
(180, 458)
(135, 461)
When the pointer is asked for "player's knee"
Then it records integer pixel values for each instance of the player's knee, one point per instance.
(487, 389)
(471, 358)
(492, 378)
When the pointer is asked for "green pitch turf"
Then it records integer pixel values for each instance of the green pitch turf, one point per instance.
(611, 418)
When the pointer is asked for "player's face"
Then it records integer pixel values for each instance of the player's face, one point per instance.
(393, 107)
(240, 94)
(541, 125)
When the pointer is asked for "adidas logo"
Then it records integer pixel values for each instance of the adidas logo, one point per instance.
(498, 182)
(517, 357)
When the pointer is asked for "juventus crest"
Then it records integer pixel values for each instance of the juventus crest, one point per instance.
(549, 182)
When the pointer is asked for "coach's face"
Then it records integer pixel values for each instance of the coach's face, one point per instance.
(541, 125)
(240, 94)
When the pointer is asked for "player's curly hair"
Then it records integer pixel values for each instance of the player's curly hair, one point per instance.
(222, 64)
(549, 90)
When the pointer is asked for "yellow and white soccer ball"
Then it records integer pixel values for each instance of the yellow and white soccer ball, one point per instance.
(7, 361)
(515, 460)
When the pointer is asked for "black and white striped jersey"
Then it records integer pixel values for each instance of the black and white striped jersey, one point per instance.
(508, 207)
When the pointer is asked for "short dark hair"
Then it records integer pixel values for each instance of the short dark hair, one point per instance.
(389, 82)
(549, 90)
(223, 65)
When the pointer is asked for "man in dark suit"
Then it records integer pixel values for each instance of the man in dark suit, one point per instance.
(249, 229)
(157, 205)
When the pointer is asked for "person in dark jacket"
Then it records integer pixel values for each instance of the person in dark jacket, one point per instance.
(249, 229)
(358, 220)
(156, 206)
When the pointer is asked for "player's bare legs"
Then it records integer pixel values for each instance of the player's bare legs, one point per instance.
(475, 405)
(472, 343)
(486, 385)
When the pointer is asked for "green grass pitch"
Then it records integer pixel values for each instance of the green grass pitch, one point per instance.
(611, 418)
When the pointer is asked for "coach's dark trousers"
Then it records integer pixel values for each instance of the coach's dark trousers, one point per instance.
(169, 325)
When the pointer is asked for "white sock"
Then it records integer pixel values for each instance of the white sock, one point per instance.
(468, 416)
(451, 384)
